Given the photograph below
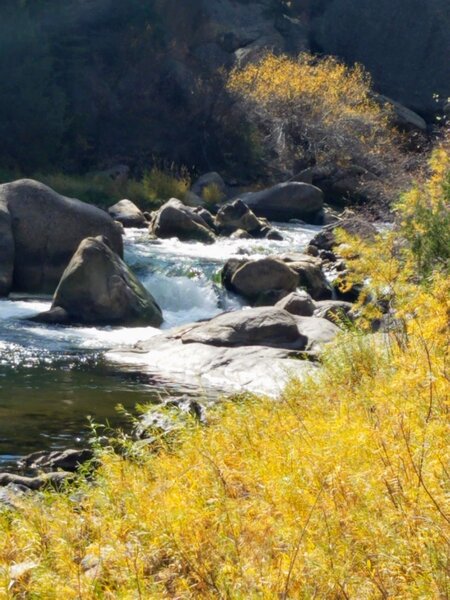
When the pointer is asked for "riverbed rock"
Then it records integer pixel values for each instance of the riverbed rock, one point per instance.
(174, 219)
(98, 287)
(127, 213)
(67, 460)
(206, 216)
(286, 201)
(252, 278)
(355, 226)
(6, 250)
(266, 326)
(210, 354)
(298, 303)
(319, 332)
(55, 480)
(39, 232)
(310, 274)
(235, 216)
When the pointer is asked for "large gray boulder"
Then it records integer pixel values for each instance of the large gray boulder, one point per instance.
(286, 201)
(174, 219)
(98, 288)
(255, 277)
(257, 369)
(39, 232)
(6, 250)
(266, 326)
(127, 213)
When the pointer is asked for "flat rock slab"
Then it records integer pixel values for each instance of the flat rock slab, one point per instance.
(255, 369)
(265, 326)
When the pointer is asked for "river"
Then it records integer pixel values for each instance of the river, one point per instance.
(53, 380)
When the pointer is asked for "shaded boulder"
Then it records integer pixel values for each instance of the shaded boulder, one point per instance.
(270, 298)
(40, 231)
(174, 219)
(240, 234)
(403, 117)
(310, 275)
(206, 216)
(298, 303)
(212, 182)
(326, 239)
(236, 216)
(341, 186)
(267, 326)
(50, 480)
(254, 277)
(127, 213)
(67, 460)
(7, 250)
(98, 287)
(286, 201)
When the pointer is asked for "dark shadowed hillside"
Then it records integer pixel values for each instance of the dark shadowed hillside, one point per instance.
(95, 82)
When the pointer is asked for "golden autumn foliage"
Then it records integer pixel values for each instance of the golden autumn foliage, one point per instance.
(340, 489)
(318, 109)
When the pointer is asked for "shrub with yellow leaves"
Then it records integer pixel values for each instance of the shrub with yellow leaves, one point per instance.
(319, 111)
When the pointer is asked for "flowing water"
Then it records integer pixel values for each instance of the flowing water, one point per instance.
(52, 379)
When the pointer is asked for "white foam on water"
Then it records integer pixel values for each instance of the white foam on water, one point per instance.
(22, 309)
(138, 245)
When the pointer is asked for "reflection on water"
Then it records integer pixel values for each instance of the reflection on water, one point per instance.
(52, 378)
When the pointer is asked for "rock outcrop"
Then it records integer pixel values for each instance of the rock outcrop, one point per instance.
(311, 277)
(39, 232)
(391, 34)
(326, 239)
(98, 288)
(297, 303)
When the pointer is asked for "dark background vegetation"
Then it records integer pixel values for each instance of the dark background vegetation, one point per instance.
(87, 84)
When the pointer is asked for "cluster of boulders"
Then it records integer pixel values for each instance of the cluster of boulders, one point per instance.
(243, 217)
(48, 242)
(274, 277)
(325, 246)
(39, 232)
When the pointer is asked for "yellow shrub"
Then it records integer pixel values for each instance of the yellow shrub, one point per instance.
(162, 184)
(326, 107)
(212, 194)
